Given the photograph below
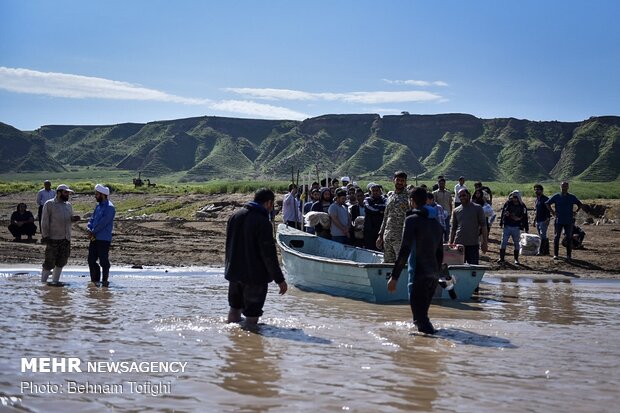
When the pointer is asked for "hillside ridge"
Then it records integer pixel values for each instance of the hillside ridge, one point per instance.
(363, 145)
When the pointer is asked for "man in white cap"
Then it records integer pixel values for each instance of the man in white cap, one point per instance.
(56, 222)
(100, 235)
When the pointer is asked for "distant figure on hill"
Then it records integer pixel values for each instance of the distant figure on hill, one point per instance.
(22, 223)
(56, 232)
(251, 261)
(391, 231)
(564, 214)
(43, 196)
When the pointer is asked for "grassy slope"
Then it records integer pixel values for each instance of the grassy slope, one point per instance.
(120, 181)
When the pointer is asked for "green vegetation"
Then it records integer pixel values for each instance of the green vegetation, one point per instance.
(366, 146)
(583, 189)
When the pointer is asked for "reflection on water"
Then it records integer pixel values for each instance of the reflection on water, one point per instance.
(255, 372)
(524, 346)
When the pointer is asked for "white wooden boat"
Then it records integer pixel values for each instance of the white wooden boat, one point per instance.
(320, 265)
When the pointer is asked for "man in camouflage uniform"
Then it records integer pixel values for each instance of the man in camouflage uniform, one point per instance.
(391, 232)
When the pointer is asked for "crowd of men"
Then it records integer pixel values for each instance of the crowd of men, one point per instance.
(373, 219)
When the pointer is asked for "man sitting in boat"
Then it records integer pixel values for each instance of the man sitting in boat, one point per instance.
(422, 250)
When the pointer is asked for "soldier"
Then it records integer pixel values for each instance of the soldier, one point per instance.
(391, 232)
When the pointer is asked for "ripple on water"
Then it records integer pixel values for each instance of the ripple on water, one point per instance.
(523, 346)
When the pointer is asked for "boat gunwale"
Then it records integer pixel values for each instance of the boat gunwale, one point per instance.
(370, 265)
(338, 261)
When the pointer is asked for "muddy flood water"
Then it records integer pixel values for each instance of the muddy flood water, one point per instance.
(156, 340)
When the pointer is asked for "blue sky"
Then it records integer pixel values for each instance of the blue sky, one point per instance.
(107, 62)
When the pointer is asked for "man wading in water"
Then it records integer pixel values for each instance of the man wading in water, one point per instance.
(251, 260)
(422, 250)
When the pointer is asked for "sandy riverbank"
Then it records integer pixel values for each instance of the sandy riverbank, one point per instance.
(163, 238)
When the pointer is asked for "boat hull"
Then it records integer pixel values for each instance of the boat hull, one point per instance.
(320, 265)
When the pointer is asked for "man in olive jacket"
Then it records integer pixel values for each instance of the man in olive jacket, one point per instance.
(251, 259)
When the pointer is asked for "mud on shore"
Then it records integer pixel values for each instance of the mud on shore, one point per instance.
(165, 238)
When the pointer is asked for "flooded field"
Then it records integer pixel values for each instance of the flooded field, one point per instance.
(157, 341)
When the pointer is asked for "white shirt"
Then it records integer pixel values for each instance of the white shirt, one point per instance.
(43, 196)
(290, 208)
(457, 188)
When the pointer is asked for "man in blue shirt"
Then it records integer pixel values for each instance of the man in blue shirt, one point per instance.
(100, 235)
(563, 214)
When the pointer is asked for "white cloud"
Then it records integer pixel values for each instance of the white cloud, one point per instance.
(71, 86)
(81, 87)
(351, 97)
(273, 94)
(257, 109)
(421, 83)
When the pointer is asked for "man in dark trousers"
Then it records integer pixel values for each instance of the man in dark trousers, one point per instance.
(564, 214)
(100, 235)
(251, 261)
(542, 219)
(468, 226)
(422, 250)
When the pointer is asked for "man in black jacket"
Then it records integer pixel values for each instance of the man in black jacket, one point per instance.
(251, 260)
(422, 251)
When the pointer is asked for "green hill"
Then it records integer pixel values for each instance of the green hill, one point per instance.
(362, 146)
